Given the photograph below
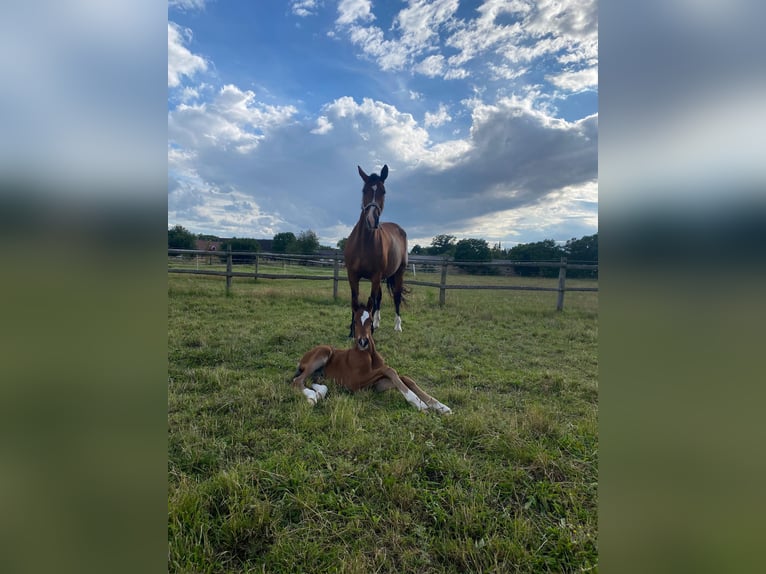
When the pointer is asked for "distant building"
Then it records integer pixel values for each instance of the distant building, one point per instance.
(208, 245)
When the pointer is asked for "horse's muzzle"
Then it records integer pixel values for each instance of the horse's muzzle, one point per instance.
(372, 216)
(363, 343)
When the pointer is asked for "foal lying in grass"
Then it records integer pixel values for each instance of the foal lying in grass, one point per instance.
(359, 367)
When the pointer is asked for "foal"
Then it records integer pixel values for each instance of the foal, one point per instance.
(359, 367)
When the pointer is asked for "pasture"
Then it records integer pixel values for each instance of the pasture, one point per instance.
(260, 481)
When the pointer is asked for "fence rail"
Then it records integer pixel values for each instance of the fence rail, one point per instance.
(336, 259)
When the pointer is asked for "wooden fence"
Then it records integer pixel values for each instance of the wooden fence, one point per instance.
(336, 259)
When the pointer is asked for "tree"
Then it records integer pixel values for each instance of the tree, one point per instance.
(582, 250)
(307, 242)
(474, 250)
(284, 242)
(545, 250)
(442, 245)
(417, 250)
(242, 244)
(181, 238)
(342, 243)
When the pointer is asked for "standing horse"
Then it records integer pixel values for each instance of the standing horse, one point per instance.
(357, 368)
(376, 251)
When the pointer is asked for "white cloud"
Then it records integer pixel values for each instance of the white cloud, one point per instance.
(396, 134)
(181, 62)
(187, 4)
(233, 119)
(431, 66)
(304, 8)
(349, 11)
(575, 81)
(416, 31)
(323, 126)
(437, 119)
(428, 38)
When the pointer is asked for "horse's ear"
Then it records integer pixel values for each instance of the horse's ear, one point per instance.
(384, 173)
(361, 173)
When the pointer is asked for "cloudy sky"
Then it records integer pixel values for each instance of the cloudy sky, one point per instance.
(486, 113)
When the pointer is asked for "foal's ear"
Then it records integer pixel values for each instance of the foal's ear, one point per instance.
(365, 177)
(384, 173)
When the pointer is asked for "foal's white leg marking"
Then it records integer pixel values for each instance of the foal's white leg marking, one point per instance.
(321, 391)
(414, 400)
(376, 320)
(398, 324)
(441, 408)
(311, 396)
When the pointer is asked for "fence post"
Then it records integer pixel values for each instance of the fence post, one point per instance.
(562, 281)
(256, 268)
(443, 287)
(228, 270)
(335, 266)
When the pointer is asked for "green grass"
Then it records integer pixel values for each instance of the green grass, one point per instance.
(259, 481)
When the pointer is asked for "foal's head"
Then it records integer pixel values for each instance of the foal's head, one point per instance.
(373, 196)
(363, 328)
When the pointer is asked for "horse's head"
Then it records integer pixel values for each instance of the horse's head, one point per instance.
(363, 327)
(373, 196)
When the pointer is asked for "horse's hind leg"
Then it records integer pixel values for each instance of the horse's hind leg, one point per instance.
(391, 380)
(398, 290)
(309, 364)
(353, 282)
(376, 296)
(425, 397)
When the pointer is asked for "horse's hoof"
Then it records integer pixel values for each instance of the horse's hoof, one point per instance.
(321, 391)
(311, 396)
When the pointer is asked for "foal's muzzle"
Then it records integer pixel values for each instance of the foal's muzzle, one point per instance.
(363, 343)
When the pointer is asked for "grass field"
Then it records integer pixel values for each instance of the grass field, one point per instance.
(259, 481)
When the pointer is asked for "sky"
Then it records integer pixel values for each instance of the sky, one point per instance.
(485, 112)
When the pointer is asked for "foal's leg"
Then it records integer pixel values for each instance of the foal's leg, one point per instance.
(430, 402)
(310, 363)
(425, 397)
(390, 380)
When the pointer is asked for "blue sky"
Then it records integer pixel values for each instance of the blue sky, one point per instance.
(485, 112)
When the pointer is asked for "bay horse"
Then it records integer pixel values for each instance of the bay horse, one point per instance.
(376, 251)
(359, 367)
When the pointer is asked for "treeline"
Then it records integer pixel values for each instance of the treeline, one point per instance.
(583, 250)
(306, 242)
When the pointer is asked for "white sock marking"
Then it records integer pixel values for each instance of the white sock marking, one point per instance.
(321, 391)
(414, 400)
(376, 320)
(398, 324)
(442, 408)
(311, 396)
